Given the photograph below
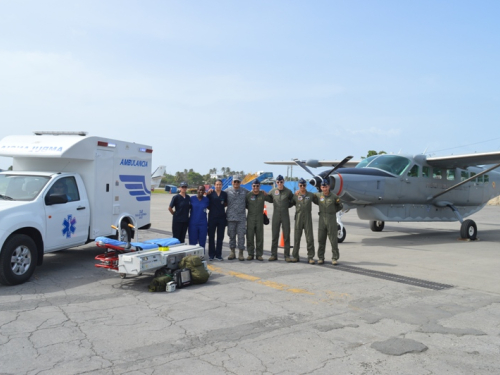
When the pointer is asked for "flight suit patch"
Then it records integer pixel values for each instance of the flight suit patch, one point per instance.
(276, 192)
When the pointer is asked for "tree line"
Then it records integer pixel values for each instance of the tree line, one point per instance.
(193, 178)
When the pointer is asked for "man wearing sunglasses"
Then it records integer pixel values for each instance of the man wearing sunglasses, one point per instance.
(236, 217)
(255, 221)
(303, 201)
(329, 204)
(281, 197)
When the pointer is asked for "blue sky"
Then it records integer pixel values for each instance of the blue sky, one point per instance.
(233, 84)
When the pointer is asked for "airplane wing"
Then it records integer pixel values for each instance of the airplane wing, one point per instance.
(316, 163)
(464, 161)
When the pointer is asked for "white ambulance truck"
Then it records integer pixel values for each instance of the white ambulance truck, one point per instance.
(65, 190)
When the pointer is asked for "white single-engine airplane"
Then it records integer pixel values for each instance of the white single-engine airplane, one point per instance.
(411, 188)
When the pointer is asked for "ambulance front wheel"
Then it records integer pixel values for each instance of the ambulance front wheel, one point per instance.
(18, 260)
(123, 275)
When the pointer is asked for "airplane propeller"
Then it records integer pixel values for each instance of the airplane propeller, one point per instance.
(317, 179)
(325, 174)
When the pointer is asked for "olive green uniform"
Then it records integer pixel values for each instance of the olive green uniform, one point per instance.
(282, 201)
(303, 222)
(328, 207)
(255, 223)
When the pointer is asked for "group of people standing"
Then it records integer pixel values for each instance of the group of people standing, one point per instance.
(241, 223)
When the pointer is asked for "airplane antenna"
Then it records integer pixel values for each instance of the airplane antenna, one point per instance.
(425, 150)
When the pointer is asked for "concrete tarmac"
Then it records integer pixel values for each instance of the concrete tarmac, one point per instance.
(413, 299)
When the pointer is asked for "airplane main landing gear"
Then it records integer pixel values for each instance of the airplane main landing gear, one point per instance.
(468, 230)
(377, 225)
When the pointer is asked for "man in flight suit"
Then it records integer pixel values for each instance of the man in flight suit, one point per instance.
(255, 221)
(329, 205)
(281, 197)
(303, 201)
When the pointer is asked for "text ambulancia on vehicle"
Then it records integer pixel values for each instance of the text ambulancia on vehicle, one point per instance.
(65, 190)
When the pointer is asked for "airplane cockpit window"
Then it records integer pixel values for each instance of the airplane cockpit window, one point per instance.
(450, 174)
(21, 188)
(413, 171)
(480, 179)
(437, 173)
(464, 175)
(472, 174)
(486, 178)
(394, 164)
(425, 172)
(363, 163)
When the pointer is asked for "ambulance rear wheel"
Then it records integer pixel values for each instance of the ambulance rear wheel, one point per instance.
(341, 234)
(125, 232)
(18, 260)
(123, 275)
(377, 225)
(468, 230)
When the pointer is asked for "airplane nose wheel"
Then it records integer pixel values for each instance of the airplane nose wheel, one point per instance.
(468, 230)
(341, 234)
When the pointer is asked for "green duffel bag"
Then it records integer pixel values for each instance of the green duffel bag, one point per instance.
(199, 275)
(159, 284)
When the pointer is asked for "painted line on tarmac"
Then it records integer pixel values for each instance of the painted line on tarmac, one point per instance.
(362, 271)
(258, 280)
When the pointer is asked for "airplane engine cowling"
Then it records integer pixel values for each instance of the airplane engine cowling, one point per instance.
(337, 184)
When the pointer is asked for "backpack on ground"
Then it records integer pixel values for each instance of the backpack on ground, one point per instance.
(199, 275)
(159, 284)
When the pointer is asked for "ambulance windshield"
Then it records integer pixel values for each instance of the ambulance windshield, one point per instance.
(20, 187)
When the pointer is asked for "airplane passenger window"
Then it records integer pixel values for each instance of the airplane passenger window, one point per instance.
(486, 178)
(425, 171)
(450, 174)
(413, 171)
(437, 173)
(464, 175)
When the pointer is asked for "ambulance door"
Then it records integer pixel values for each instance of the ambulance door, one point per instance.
(103, 214)
(67, 224)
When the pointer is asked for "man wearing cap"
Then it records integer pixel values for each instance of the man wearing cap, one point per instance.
(182, 204)
(236, 218)
(329, 205)
(303, 201)
(281, 197)
(255, 221)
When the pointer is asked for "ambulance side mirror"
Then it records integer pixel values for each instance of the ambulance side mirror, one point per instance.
(51, 199)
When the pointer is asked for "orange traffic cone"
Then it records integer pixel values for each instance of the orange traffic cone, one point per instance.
(282, 240)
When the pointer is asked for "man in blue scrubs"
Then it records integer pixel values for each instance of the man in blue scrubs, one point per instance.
(198, 221)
